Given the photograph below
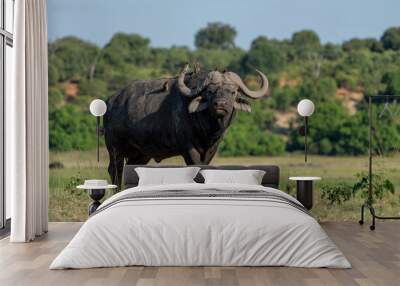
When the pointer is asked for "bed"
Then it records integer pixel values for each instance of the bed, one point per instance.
(199, 224)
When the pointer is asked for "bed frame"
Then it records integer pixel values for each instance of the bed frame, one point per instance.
(130, 178)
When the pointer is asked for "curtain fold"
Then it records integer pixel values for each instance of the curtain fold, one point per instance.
(27, 124)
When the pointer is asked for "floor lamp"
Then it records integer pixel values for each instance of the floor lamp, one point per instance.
(96, 189)
(98, 108)
(304, 190)
(305, 108)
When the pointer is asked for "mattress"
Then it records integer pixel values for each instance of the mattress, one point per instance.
(201, 225)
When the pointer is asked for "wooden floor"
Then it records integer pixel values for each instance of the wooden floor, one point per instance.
(375, 257)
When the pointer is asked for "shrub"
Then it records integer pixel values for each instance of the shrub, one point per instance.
(243, 140)
(336, 193)
(56, 165)
(74, 181)
(380, 185)
(71, 128)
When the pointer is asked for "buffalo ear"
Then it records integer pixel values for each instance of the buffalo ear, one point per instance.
(242, 104)
(196, 105)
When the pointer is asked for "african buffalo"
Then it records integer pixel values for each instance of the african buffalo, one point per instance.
(185, 115)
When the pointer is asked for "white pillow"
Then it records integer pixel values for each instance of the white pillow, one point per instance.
(248, 177)
(165, 176)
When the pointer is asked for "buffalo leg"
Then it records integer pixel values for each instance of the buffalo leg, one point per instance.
(210, 154)
(192, 157)
(115, 167)
(137, 159)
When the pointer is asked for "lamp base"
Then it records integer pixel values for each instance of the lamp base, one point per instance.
(96, 195)
(305, 193)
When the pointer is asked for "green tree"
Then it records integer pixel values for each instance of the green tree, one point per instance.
(392, 82)
(217, 58)
(247, 139)
(306, 44)
(391, 39)
(285, 97)
(70, 128)
(95, 88)
(127, 49)
(251, 134)
(357, 69)
(53, 74)
(321, 90)
(359, 44)
(216, 36)
(173, 59)
(344, 135)
(70, 57)
(264, 54)
(125, 58)
(332, 52)
(56, 98)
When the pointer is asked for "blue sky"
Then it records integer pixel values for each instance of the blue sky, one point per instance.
(175, 22)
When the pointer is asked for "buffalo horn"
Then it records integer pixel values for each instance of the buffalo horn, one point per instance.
(182, 86)
(252, 94)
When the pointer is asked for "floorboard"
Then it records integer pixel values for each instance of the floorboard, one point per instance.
(375, 257)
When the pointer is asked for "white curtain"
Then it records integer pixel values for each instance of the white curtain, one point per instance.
(27, 124)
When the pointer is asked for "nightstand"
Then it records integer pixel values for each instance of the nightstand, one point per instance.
(304, 190)
(96, 190)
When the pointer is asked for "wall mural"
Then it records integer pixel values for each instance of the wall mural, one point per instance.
(186, 115)
(199, 121)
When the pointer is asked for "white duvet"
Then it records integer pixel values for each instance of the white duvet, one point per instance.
(200, 231)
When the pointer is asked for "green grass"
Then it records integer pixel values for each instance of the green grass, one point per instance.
(70, 204)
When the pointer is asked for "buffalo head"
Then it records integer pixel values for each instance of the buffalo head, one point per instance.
(221, 93)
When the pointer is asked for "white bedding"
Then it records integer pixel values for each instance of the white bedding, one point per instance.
(200, 231)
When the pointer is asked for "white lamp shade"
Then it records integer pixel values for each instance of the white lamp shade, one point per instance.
(98, 107)
(305, 107)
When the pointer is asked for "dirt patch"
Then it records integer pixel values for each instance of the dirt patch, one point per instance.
(71, 89)
(284, 81)
(283, 118)
(350, 98)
